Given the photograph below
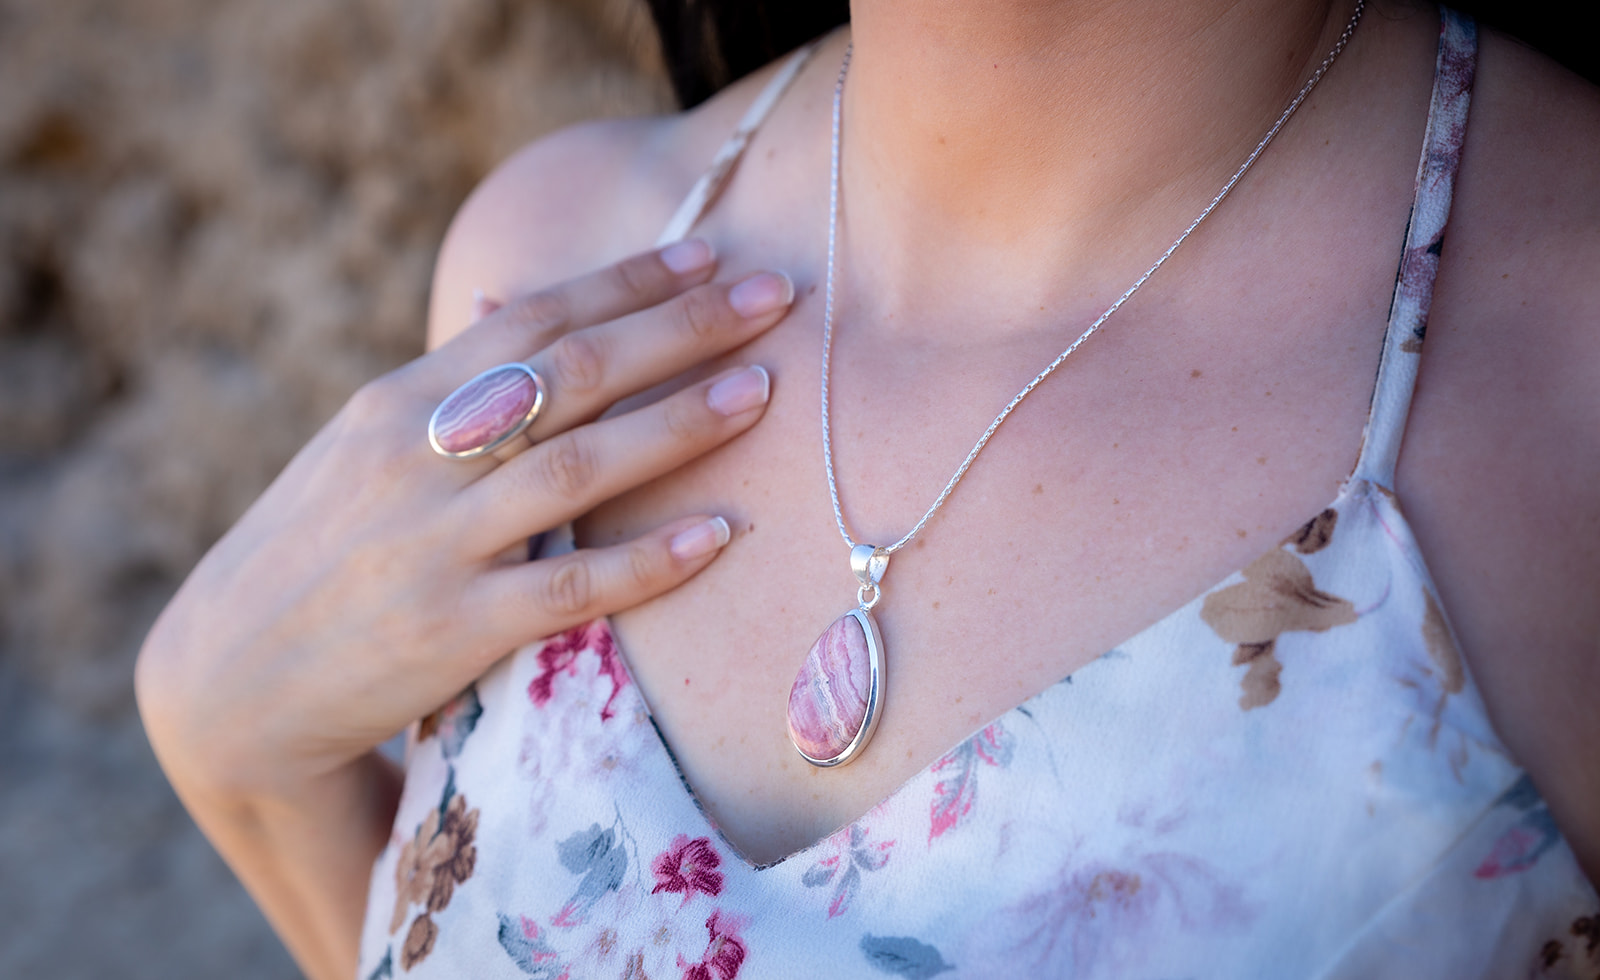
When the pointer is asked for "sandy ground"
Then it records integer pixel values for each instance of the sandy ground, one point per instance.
(217, 218)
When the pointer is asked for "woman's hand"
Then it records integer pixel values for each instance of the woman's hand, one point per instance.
(375, 579)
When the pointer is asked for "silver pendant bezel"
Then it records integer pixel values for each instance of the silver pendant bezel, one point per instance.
(875, 691)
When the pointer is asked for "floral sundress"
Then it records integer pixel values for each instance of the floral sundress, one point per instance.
(1292, 776)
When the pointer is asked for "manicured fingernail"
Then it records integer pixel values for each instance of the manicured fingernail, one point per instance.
(686, 257)
(482, 305)
(740, 392)
(761, 293)
(700, 540)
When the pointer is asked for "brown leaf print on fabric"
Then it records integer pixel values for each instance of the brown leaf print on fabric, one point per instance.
(1551, 953)
(1260, 683)
(413, 873)
(419, 942)
(1314, 534)
(634, 970)
(1277, 596)
(441, 856)
(1587, 928)
(459, 858)
(1442, 647)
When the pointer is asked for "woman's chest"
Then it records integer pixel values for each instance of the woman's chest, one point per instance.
(1113, 496)
(1209, 418)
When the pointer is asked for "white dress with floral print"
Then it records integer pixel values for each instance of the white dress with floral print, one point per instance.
(1292, 776)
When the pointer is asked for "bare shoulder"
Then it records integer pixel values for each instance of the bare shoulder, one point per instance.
(1501, 469)
(553, 204)
(575, 200)
(1529, 189)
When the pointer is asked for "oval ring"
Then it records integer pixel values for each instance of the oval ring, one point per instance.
(487, 412)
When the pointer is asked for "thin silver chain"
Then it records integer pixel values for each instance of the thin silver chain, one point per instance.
(966, 464)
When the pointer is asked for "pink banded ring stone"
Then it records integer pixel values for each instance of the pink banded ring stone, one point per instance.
(486, 411)
(828, 703)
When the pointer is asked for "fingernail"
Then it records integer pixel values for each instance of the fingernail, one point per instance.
(761, 293)
(686, 257)
(482, 305)
(700, 540)
(740, 392)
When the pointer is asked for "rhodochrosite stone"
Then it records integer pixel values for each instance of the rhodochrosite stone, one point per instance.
(828, 703)
(485, 409)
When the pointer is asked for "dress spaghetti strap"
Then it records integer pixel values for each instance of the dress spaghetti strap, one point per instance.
(711, 182)
(1419, 263)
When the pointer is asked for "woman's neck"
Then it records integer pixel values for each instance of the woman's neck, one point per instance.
(1052, 145)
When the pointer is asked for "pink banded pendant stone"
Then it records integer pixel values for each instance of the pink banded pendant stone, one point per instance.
(484, 413)
(836, 698)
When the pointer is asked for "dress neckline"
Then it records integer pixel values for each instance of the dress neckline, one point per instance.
(1352, 488)
(1374, 469)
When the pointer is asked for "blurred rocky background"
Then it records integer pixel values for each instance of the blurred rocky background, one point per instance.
(217, 218)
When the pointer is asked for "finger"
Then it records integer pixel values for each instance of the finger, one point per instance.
(588, 371)
(528, 323)
(570, 474)
(518, 604)
(516, 445)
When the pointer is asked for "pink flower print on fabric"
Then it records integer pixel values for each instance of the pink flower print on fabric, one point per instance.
(560, 655)
(524, 942)
(725, 951)
(1099, 917)
(568, 741)
(1521, 845)
(688, 866)
(852, 854)
(453, 722)
(957, 787)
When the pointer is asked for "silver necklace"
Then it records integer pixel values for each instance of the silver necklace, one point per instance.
(837, 697)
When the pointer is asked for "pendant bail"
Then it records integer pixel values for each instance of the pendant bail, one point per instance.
(869, 562)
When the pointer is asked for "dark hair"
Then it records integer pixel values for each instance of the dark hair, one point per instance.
(1547, 27)
(709, 43)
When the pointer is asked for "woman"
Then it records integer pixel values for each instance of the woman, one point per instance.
(1288, 770)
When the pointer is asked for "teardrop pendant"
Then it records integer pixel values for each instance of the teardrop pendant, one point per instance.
(838, 694)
